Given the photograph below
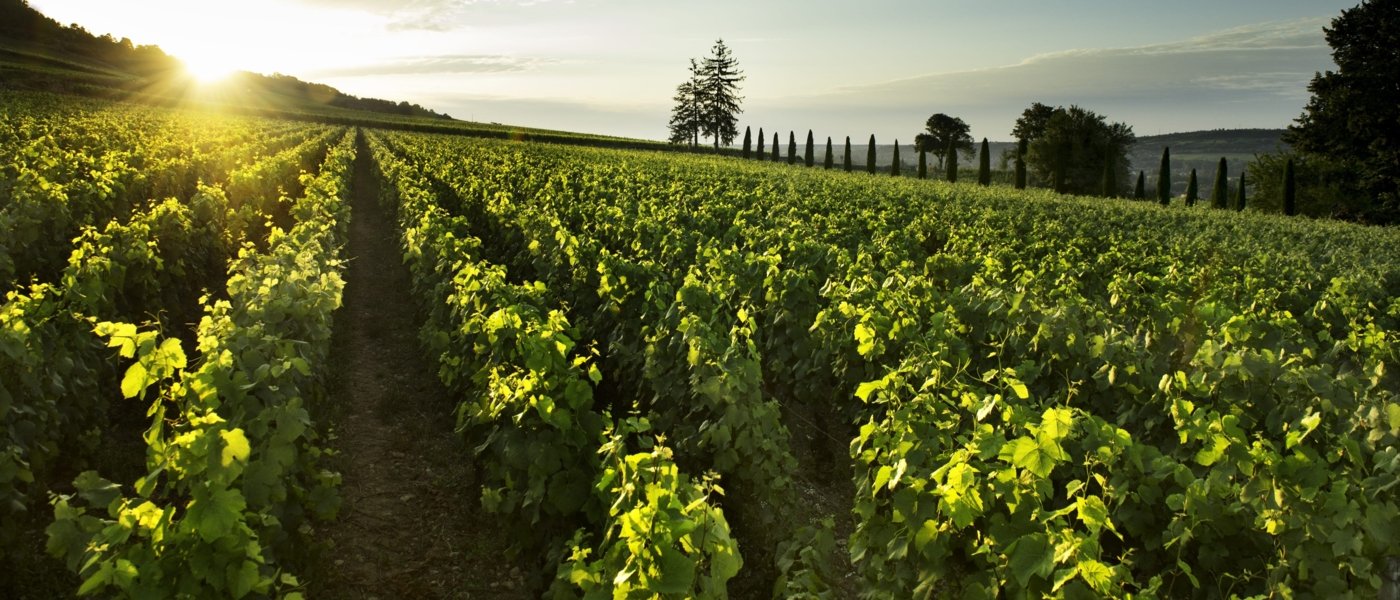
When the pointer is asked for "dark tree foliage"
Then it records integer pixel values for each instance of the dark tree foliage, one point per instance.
(1191, 189)
(951, 165)
(792, 148)
(759, 153)
(828, 163)
(748, 143)
(1290, 193)
(870, 156)
(984, 164)
(846, 159)
(1164, 178)
(1140, 190)
(1239, 192)
(923, 164)
(1354, 114)
(1110, 181)
(688, 115)
(810, 157)
(894, 166)
(942, 131)
(775, 146)
(1073, 146)
(1021, 149)
(719, 86)
(1219, 192)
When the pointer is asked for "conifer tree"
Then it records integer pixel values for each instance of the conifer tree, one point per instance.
(1290, 193)
(923, 164)
(811, 152)
(846, 159)
(1140, 190)
(828, 163)
(688, 116)
(792, 148)
(984, 165)
(950, 162)
(775, 146)
(719, 86)
(894, 166)
(1219, 192)
(748, 143)
(870, 156)
(760, 153)
(1191, 189)
(1239, 193)
(1164, 178)
(1021, 148)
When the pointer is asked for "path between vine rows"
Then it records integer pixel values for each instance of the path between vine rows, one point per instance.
(411, 523)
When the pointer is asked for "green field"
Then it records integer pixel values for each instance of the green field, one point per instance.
(244, 356)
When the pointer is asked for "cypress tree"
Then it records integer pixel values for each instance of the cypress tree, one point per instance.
(984, 165)
(1164, 178)
(923, 164)
(894, 167)
(1140, 190)
(1218, 192)
(775, 146)
(1110, 180)
(1290, 194)
(846, 160)
(1239, 195)
(870, 156)
(951, 162)
(1021, 164)
(810, 156)
(760, 144)
(748, 141)
(1191, 189)
(829, 158)
(792, 148)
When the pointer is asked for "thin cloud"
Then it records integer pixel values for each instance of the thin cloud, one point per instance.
(429, 65)
(426, 15)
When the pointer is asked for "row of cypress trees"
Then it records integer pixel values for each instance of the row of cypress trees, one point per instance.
(984, 168)
(1219, 196)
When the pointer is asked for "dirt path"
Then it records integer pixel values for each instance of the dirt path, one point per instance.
(411, 525)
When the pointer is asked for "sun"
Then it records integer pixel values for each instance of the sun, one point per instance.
(208, 66)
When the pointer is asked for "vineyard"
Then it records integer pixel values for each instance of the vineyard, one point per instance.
(676, 375)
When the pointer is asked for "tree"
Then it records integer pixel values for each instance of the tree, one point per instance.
(748, 143)
(1191, 189)
(1110, 180)
(1164, 178)
(1074, 146)
(760, 144)
(923, 164)
(1353, 116)
(719, 88)
(939, 131)
(1021, 149)
(792, 148)
(810, 156)
(1239, 192)
(951, 165)
(894, 165)
(870, 156)
(1219, 191)
(775, 146)
(846, 159)
(827, 164)
(1290, 193)
(1032, 123)
(1140, 190)
(688, 115)
(984, 164)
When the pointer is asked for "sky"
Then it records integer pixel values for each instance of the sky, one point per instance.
(856, 68)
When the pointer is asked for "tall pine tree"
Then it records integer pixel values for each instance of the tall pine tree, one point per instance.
(811, 152)
(1191, 189)
(846, 159)
(792, 148)
(870, 156)
(1164, 178)
(923, 164)
(760, 154)
(894, 166)
(1219, 192)
(1239, 192)
(950, 162)
(829, 158)
(719, 87)
(775, 146)
(688, 115)
(748, 143)
(984, 164)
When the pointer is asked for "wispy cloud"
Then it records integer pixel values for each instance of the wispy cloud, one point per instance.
(426, 15)
(426, 65)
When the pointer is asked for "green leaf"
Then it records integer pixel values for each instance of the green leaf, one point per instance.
(135, 380)
(864, 390)
(216, 516)
(242, 578)
(1392, 411)
(1039, 458)
(865, 335)
(1213, 451)
(97, 491)
(677, 572)
(1019, 389)
(927, 532)
(235, 447)
(1093, 513)
(1097, 575)
(1055, 424)
(1031, 556)
(882, 476)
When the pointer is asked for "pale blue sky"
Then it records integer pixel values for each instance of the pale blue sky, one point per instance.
(840, 68)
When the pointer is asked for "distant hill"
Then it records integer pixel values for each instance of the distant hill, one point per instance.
(38, 53)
